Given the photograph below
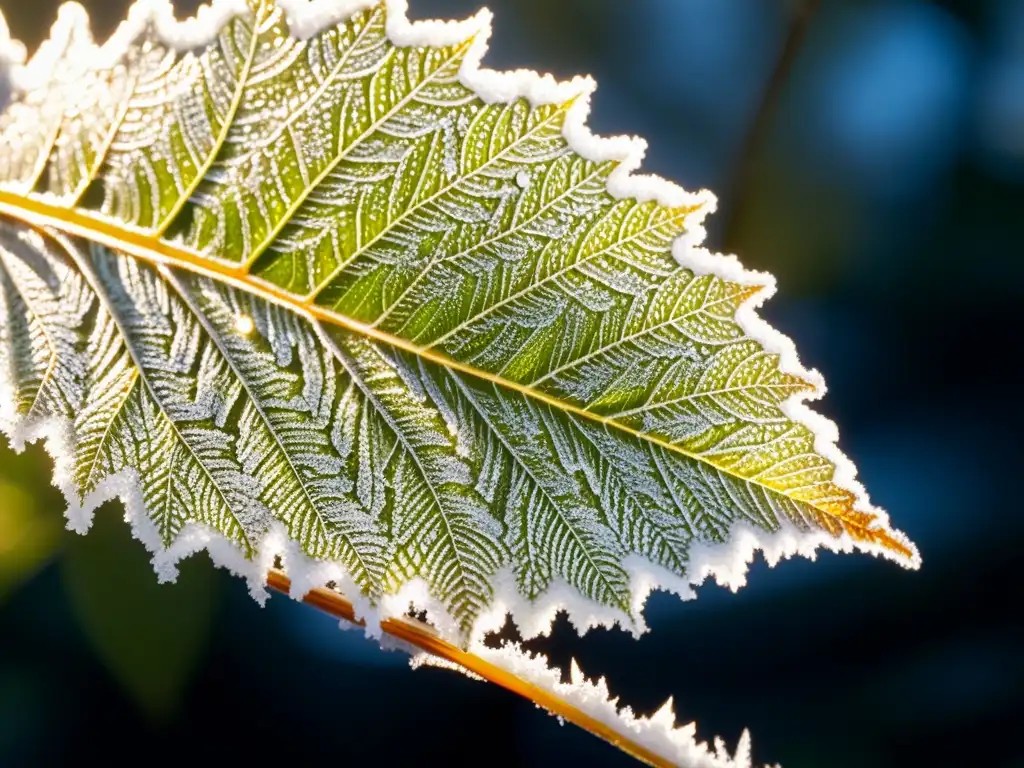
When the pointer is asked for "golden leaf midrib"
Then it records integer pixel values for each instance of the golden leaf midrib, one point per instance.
(37, 212)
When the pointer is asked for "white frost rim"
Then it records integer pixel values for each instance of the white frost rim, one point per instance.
(308, 17)
(658, 733)
(728, 562)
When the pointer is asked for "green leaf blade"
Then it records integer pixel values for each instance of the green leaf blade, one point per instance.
(306, 285)
(175, 122)
(349, 296)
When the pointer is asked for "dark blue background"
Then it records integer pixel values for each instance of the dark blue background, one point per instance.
(887, 195)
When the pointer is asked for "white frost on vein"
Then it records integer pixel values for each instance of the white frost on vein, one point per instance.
(658, 733)
(423, 659)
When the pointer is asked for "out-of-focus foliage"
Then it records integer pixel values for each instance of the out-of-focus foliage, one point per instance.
(29, 537)
(150, 636)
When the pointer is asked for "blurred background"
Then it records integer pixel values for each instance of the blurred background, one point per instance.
(885, 189)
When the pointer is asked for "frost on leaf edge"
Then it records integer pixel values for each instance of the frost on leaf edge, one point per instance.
(727, 562)
(658, 733)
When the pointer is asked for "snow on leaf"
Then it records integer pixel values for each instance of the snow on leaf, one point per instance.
(304, 278)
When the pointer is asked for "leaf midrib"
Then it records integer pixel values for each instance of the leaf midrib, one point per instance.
(38, 212)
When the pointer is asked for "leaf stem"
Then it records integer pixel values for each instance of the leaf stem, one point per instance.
(423, 637)
(739, 186)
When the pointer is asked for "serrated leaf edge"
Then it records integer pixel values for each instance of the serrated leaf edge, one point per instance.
(727, 562)
(309, 17)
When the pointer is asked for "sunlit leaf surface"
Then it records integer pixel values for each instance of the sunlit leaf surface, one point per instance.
(335, 292)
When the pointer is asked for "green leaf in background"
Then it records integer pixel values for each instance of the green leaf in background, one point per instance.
(151, 637)
(29, 536)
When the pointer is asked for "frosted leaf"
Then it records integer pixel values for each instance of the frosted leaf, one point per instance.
(304, 279)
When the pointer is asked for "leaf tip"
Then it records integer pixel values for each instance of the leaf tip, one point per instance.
(906, 552)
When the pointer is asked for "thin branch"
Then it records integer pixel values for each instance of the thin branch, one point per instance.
(738, 189)
(423, 637)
